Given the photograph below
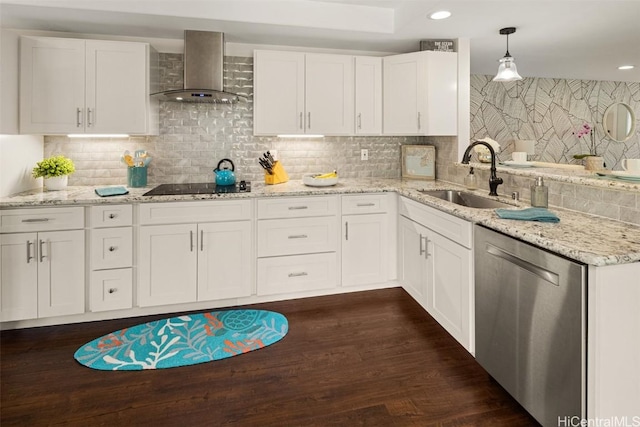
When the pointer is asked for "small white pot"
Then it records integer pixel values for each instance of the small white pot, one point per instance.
(56, 182)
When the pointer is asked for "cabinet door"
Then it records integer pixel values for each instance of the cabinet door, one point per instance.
(329, 94)
(449, 286)
(167, 264)
(403, 89)
(365, 249)
(116, 82)
(225, 262)
(368, 95)
(279, 93)
(18, 277)
(61, 281)
(412, 268)
(439, 113)
(52, 78)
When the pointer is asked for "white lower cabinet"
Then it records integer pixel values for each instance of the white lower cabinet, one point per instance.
(436, 270)
(365, 239)
(297, 244)
(41, 263)
(180, 263)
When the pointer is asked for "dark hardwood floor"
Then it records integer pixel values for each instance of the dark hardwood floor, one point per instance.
(362, 359)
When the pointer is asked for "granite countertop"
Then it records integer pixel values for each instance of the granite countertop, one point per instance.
(586, 238)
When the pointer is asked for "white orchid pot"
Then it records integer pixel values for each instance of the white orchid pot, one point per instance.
(55, 183)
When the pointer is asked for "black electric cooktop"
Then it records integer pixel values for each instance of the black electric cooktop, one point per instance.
(198, 188)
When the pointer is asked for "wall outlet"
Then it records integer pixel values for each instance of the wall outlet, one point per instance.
(364, 154)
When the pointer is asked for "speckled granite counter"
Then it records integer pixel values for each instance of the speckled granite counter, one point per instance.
(586, 238)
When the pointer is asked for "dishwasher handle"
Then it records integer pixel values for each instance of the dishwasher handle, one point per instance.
(547, 275)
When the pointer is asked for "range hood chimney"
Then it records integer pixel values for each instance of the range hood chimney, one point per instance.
(203, 71)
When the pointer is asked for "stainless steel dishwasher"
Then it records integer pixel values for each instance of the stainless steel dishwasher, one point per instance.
(531, 324)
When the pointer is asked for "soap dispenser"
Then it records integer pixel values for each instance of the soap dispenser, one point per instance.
(539, 194)
(470, 181)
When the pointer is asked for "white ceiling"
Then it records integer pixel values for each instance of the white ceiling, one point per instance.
(579, 39)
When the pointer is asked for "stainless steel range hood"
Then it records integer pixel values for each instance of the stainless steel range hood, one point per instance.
(203, 71)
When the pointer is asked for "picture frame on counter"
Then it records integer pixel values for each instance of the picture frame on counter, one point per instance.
(419, 162)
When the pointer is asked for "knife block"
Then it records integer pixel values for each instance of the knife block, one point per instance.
(279, 174)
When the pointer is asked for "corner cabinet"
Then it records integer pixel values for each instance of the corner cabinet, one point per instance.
(303, 93)
(41, 263)
(420, 94)
(85, 86)
(436, 266)
(195, 251)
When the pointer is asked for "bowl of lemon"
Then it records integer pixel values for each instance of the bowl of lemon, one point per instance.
(320, 179)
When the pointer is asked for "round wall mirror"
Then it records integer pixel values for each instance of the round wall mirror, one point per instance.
(619, 122)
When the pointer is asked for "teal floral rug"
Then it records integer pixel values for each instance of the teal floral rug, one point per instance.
(184, 340)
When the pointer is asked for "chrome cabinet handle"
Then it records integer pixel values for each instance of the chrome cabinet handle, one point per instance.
(112, 248)
(360, 205)
(89, 117)
(191, 240)
(113, 290)
(201, 240)
(423, 250)
(359, 120)
(79, 117)
(112, 216)
(346, 230)
(302, 273)
(298, 236)
(29, 257)
(419, 126)
(292, 208)
(36, 220)
(309, 120)
(301, 121)
(42, 255)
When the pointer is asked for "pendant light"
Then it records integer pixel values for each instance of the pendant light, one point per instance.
(507, 71)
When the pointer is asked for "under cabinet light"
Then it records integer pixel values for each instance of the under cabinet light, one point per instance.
(98, 135)
(300, 136)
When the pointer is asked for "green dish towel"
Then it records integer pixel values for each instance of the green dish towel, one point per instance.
(529, 214)
(111, 191)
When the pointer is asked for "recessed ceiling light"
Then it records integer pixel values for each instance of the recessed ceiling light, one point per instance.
(442, 14)
(625, 67)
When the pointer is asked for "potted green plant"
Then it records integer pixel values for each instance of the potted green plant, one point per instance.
(55, 170)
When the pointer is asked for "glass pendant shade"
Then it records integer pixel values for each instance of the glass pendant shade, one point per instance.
(507, 71)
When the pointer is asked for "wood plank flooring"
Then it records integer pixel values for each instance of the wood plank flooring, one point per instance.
(363, 359)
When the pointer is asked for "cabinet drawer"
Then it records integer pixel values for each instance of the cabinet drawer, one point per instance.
(111, 216)
(111, 248)
(202, 211)
(111, 289)
(41, 219)
(366, 203)
(296, 273)
(297, 207)
(296, 236)
(449, 226)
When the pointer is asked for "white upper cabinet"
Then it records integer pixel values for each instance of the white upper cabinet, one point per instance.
(298, 93)
(420, 94)
(278, 93)
(85, 86)
(368, 95)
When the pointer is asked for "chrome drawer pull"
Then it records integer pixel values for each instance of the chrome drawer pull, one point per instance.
(36, 220)
(298, 236)
(365, 204)
(298, 274)
(112, 248)
(113, 290)
(292, 208)
(422, 251)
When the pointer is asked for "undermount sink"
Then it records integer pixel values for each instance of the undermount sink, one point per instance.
(464, 198)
